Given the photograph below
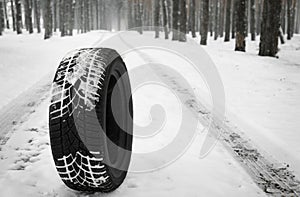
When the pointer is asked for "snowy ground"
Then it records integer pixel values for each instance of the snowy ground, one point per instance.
(262, 99)
(262, 96)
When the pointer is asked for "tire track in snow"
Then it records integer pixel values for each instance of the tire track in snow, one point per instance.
(272, 177)
(17, 111)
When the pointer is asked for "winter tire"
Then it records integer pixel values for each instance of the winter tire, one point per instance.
(91, 150)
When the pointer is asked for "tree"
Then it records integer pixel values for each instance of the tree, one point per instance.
(283, 16)
(216, 29)
(140, 16)
(252, 20)
(204, 22)
(298, 18)
(211, 16)
(175, 20)
(156, 17)
(228, 21)
(129, 16)
(18, 16)
(293, 17)
(54, 15)
(165, 18)
(234, 18)
(270, 28)
(86, 12)
(63, 19)
(291, 5)
(13, 14)
(48, 19)
(1, 18)
(221, 26)
(193, 17)
(183, 21)
(258, 18)
(72, 16)
(169, 3)
(241, 23)
(5, 13)
(37, 14)
(28, 16)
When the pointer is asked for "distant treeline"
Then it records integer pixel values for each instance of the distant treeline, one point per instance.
(272, 19)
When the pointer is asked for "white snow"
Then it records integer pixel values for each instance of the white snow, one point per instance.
(262, 98)
(25, 59)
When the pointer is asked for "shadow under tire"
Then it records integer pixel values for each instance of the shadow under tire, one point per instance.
(91, 120)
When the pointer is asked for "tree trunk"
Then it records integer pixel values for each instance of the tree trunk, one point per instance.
(165, 18)
(221, 26)
(82, 16)
(270, 28)
(13, 14)
(86, 16)
(216, 19)
(48, 19)
(298, 18)
(28, 15)
(283, 17)
(204, 22)
(63, 17)
(140, 16)
(37, 14)
(281, 36)
(71, 17)
(183, 21)
(175, 20)
(5, 13)
(241, 23)
(129, 15)
(18, 16)
(293, 17)
(55, 15)
(1, 17)
(252, 20)
(211, 21)
(228, 21)
(234, 18)
(169, 3)
(289, 19)
(258, 19)
(193, 17)
(97, 15)
(156, 17)
(91, 15)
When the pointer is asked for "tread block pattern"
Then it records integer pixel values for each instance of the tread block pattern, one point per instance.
(75, 92)
(83, 170)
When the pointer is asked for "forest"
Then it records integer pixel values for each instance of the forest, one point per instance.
(273, 20)
(208, 89)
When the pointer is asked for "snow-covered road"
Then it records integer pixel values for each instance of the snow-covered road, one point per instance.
(26, 163)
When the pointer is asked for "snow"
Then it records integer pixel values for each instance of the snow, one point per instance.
(25, 59)
(262, 99)
(262, 96)
(187, 176)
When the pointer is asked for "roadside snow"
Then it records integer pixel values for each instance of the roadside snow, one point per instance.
(262, 96)
(25, 59)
